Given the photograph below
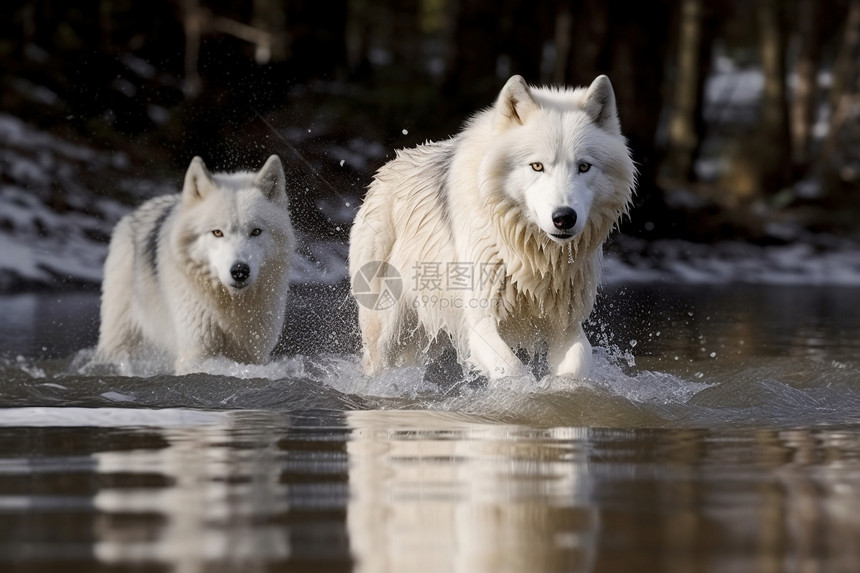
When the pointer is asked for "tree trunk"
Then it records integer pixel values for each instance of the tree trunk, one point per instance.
(843, 97)
(683, 139)
(563, 30)
(774, 142)
(589, 51)
(192, 23)
(803, 102)
(845, 66)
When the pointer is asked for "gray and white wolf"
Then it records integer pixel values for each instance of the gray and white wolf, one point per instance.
(200, 274)
(518, 204)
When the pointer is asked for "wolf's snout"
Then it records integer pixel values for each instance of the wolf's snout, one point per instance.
(564, 218)
(240, 272)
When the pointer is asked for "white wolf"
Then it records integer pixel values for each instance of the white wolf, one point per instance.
(500, 231)
(201, 273)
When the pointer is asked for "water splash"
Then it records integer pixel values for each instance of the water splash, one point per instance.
(617, 394)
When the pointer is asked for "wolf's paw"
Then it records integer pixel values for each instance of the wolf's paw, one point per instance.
(577, 364)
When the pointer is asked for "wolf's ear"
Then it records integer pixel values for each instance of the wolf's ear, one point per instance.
(271, 180)
(599, 104)
(198, 181)
(515, 103)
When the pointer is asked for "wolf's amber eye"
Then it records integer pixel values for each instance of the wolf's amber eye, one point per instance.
(537, 166)
(256, 232)
(583, 167)
(218, 233)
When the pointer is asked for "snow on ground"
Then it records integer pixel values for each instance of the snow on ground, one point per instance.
(54, 230)
(54, 227)
(837, 264)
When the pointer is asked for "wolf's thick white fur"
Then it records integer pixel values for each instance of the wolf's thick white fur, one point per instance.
(200, 274)
(500, 193)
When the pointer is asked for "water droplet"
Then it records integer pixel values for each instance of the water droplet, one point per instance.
(342, 162)
(700, 374)
(347, 203)
(405, 132)
(713, 355)
(633, 343)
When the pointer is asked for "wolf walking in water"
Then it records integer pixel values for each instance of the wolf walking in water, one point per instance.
(200, 274)
(518, 204)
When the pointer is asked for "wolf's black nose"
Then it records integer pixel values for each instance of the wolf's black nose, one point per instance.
(564, 219)
(240, 272)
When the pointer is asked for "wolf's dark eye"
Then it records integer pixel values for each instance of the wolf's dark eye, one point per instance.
(583, 167)
(537, 166)
(218, 233)
(256, 232)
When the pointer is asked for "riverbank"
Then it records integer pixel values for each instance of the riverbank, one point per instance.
(60, 201)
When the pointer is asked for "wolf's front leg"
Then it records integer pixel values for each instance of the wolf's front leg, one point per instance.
(570, 355)
(491, 354)
(380, 332)
(186, 365)
(198, 338)
(189, 358)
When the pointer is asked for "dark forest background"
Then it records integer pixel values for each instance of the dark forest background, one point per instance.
(743, 116)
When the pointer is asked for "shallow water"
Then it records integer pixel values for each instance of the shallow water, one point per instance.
(720, 431)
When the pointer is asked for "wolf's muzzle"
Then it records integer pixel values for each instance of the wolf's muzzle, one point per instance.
(564, 218)
(240, 272)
